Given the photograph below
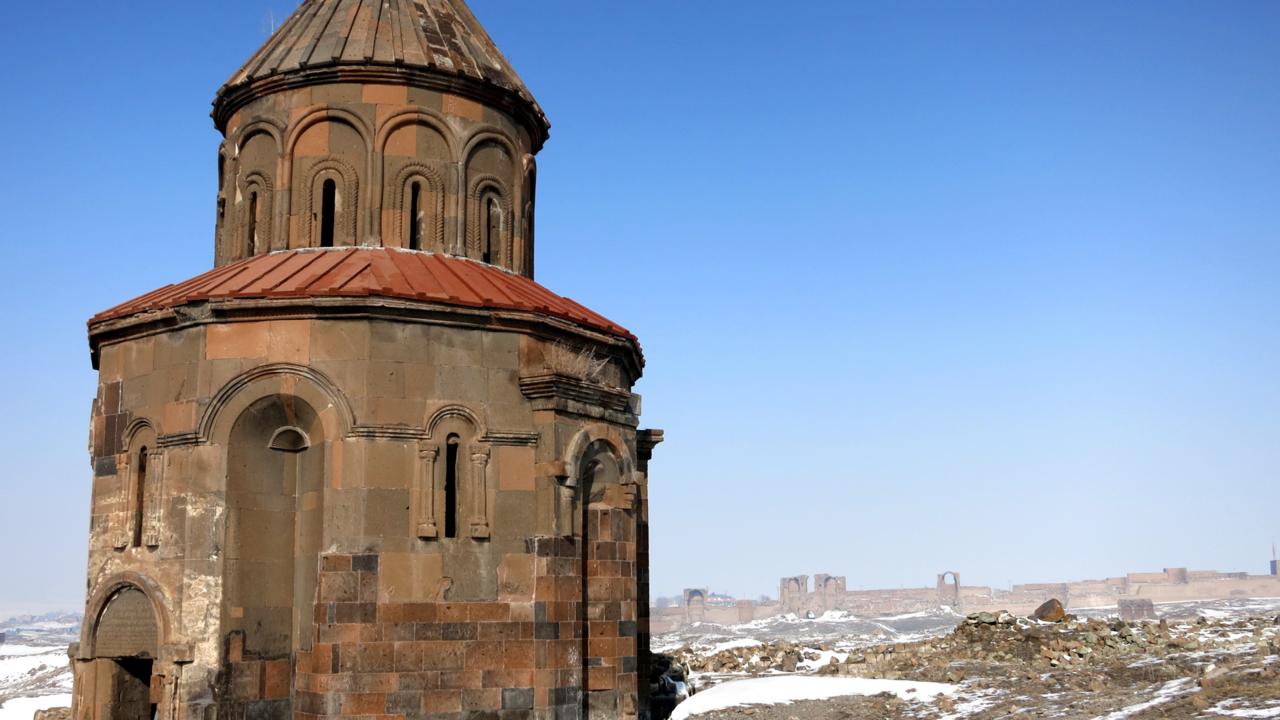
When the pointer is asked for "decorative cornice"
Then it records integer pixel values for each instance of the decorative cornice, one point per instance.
(388, 432)
(231, 99)
(571, 395)
(564, 387)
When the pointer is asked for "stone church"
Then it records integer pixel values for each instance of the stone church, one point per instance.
(366, 466)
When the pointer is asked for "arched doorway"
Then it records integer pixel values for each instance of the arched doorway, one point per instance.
(126, 642)
(607, 530)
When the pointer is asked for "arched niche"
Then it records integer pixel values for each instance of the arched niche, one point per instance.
(414, 207)
(276, 476)
(306, 383)
(606, 533)
(490, 221)
(137, 516)
(253, 200)
(491, 177)
(328, 159)
(451, 499)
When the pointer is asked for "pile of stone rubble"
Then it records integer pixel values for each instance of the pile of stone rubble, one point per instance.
(1038, 645)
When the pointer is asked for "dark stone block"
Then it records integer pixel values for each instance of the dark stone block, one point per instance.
(105, 465)
(546, 631)
(540, 612)
(268, 710)
(567, 712)
(629, 664)
(566, 696)
(365, 563)
(457, 631)
(627, 628)
(517, 698)
(404, 703)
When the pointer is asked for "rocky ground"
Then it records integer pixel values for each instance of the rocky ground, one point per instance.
(1220, 665)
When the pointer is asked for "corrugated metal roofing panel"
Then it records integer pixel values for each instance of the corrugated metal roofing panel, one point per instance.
(362, 272)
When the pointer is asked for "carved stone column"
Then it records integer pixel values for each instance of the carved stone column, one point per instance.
(425, 513)
(564, 507)
(480, 492)
(153, 513)
(120, 529)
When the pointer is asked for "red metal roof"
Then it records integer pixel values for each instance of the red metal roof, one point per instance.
(367, 272)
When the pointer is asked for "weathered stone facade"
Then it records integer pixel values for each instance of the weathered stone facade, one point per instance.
(366, 467)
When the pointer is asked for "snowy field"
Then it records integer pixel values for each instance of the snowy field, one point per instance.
(25, 708)
(843, 630)
(788, 689)
(34, 671)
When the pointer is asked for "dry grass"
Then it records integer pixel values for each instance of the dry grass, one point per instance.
(581, 363)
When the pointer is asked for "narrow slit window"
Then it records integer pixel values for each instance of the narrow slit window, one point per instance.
(489, 229)
(328, 209)
(139, 497)
(252, 244)
(415, 216)
(451, 487)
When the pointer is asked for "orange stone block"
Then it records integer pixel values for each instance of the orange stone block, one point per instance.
(484, 655)
(385, 94)
(364, 704)
(277, 679)
(601, 678)
(442, 701)
(462, 107)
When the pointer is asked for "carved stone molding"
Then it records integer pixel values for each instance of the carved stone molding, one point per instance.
(568, 394)
(480, 492)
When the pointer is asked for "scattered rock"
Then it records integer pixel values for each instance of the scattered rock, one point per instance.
(1051, 611)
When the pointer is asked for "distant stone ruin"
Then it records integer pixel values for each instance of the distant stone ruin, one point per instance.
(1134, 609)
(1135, 593)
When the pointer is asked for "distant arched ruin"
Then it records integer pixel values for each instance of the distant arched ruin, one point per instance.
(949, 593)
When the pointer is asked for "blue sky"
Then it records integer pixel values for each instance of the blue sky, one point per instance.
(985, 286)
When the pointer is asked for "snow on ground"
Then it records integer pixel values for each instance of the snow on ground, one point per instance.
(34, 669)
(1167, 692)
(838, 627)
(787, 689)
(14, 668)
(1227, 708)
(731, 645)
(24, 708)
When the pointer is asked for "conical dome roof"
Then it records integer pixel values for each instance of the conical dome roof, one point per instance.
(424, 38)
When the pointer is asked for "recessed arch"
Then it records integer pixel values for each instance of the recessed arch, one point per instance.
(483, 190)
(416, 116)
(133, 430)
(304, 123)
(102, 596)
(310, 385)
(489, 133)
(346, 183)
(592, 434)
(460, 412)
(257, 126)
(432, 199)
(257, 220)
(289, 439)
